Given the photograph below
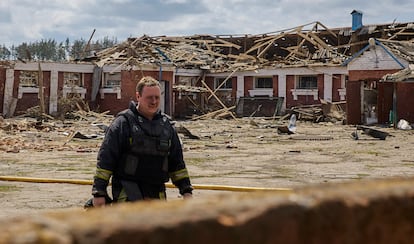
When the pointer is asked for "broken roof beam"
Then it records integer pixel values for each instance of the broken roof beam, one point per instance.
(319, 41)
(230, 44)
(215, 96)
(223, 82)
(294, 51)
(327, 29)
(267, 42)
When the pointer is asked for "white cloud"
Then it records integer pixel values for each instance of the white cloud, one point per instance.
(28, 21)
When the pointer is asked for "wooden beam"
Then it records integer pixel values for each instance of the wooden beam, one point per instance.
(222, 83)
(218, 99)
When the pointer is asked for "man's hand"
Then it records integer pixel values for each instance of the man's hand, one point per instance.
(187, 195)
(98, 201)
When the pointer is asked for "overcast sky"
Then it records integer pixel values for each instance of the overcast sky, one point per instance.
(33, 20)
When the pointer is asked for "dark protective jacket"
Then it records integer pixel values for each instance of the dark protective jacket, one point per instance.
(141, 150)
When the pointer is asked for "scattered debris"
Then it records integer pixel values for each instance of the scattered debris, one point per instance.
(290, 129)
(312, 137)
(404, 125)
(181, 129)
(371, 132)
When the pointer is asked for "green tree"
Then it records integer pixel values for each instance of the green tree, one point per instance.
(22, 52)
(50, 49)
(4, 53)
(76, 52)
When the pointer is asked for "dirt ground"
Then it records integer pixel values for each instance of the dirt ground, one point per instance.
(243, 152)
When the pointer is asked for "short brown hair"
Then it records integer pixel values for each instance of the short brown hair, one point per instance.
(146, 81)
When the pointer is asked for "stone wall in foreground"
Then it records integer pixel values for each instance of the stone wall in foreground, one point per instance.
(377, 211)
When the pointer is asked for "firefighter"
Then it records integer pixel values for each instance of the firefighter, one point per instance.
(141, 151)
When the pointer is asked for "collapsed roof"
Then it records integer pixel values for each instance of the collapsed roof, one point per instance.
(405, 75)
(305, 45)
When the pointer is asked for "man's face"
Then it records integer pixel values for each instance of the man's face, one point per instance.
(149, 100)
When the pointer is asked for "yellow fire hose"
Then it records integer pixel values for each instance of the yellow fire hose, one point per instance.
(169, 185)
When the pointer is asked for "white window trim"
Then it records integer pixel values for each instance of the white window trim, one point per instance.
(81, 77)
(304, 92)
(105, 77)
(113, 90)
(110, 90)
(298, 77)
(342, 93)
(74, 89)
(261, 92)
(267, 77)
(24, 89)
(217, 83)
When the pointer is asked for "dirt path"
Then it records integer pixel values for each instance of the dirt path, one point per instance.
(239, 153)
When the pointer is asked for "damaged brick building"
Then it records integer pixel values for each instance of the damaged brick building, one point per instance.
(240, 75)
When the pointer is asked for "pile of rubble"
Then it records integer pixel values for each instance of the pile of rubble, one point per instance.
(304, 45)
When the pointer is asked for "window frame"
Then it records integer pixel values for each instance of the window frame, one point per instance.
(260, 82)
(71, 83)
(115, 81)
(303, 84)
(29, 78)
(228, 85)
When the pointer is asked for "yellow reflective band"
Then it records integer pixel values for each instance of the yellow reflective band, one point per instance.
(103, 174)
(122, 196)
(179, 175)
(161, 195)
(130, 141)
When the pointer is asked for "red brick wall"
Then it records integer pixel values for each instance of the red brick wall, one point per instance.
(210, 82)
(248, 85)
(60, 84)
(321, 91)
(302, 100)
(29, 100)
(353, 102)
(290, 84)
(87, 83)
(405, 101)
(336, 84)
(353, 92)
(355, 75)
(275, 85)
(385, 91)
(129, 81)
(234, 87)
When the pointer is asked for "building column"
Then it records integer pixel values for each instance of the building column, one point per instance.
(8, 93)
(282, 89)
(240, 87)
(327, 87)
(53, 100)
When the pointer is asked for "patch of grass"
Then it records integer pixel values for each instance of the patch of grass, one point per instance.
(375, 166)
(367, 152)
(73, 169)
(194, 161)
(361, 175)
(8, 188)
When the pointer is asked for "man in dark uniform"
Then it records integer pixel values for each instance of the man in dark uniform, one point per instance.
(141, 151)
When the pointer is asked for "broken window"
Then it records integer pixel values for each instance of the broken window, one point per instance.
(307, 82)
(218, 83)
(187, 80)
(112, 80)
(71, 79)
(29, 79)
(263, 82)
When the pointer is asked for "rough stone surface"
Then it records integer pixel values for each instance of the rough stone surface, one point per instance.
(374, 211)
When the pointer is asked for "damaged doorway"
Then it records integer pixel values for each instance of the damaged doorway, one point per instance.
(369, 101)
